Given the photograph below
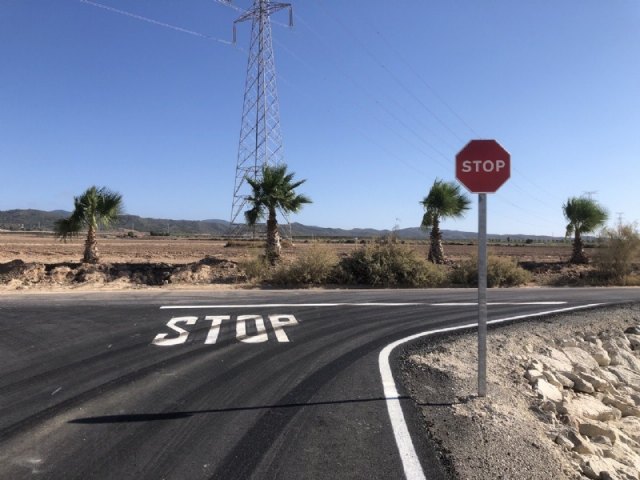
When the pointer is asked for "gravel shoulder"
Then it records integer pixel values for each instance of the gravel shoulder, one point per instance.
(507, 434)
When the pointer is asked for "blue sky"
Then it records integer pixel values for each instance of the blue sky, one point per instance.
(375, 102)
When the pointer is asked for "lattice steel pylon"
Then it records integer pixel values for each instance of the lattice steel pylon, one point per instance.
(260, 137)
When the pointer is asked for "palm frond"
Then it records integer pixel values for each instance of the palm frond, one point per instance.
(274, 190)
(584, 214)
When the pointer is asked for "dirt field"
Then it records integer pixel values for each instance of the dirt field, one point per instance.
(40, 261)
(182, 250)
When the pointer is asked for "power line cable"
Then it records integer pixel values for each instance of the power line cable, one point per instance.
(154, 22)
(359, 129)
(401, 57)
(389, 72)
(365, 90)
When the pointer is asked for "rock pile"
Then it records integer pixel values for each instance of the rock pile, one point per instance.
(588, 391)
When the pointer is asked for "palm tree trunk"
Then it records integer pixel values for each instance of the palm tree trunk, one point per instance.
(436, 252)
(273, 238)
(91, 246)
(578, 255)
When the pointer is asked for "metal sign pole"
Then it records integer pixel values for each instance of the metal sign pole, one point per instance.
(482, 295)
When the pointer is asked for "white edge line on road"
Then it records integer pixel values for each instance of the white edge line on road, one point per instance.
(374, 304)
(471, 304)
(282, 305)
(410, 462)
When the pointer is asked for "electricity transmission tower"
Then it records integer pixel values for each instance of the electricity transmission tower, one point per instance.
(260, 138)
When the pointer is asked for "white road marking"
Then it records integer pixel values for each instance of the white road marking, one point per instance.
(410, 462)
(214, 331)
(241, 329)
(471, 304)
(278, 324)
(370, 304)
(162, 340)
(283, 305)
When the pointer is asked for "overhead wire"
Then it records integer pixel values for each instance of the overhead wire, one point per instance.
(375, 99)
(356, 83)
(393, 76)
(362, 131)
(408, 64)
(154, 22)
(398, 54)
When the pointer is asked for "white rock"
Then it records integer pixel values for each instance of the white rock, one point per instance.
(626, 376)
(585, 406)
(566, 382)
(629, 360)
(625, 405)
(551, 378)
(578, 356)
(598, 384)
(594, 340)
(630, 427)
(598, 353)
(548, 391)
(625, 455)
(555, 360)
(533, 375)
(579, 384)
(634, 340)
(580, 444)
(605, 374)
(598, 468)
(564, 442)
(592, 429)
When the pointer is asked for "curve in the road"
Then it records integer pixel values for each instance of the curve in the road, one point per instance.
(410, 461)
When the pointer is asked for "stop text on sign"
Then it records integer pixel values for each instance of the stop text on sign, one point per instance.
(480, 166)
(248, 329)
(483, 166)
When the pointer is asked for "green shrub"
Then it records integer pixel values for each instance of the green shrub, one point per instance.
(256, 268)
(388, 265)
(619, 249)
(501, 272)
(314, 266)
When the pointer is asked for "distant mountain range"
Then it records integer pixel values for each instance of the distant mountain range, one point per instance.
(38, 220)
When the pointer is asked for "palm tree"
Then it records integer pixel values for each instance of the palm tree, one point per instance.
(584, 215)
(96, 206)
(443, 201)
(275, 190)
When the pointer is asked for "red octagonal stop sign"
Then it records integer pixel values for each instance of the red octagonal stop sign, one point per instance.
(483, 166)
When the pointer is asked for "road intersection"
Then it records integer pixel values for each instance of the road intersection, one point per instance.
(233, 384)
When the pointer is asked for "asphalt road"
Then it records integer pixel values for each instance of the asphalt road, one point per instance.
(221, 385)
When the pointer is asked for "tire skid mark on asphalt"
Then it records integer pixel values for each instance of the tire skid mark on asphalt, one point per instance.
(253, 456)
(410, 461)
(99, 390)
(159, 466)
(270, 426)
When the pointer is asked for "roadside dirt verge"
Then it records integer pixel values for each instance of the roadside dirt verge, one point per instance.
(18, 275)
(583, 426)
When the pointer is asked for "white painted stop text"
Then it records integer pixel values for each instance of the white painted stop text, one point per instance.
(259, 333)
